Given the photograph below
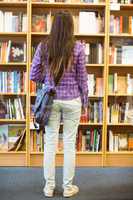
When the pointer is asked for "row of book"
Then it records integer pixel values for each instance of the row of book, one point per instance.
(119, 112)
(34, 87)
(95, 85)
(12, 137)
(120, 141)
(121, 24)
(13, 82)
(16, 52)
(12, 108)
(94, 52)
(37, 140)
(13, 22)
(120, 84)
(41, 22)
(12, 51)
(94, 21)
(121, 54)
(94, 114)
(89, 22)
(89, 140)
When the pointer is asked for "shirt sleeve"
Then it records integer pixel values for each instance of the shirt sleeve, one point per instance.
(36, 72)
(82, 77)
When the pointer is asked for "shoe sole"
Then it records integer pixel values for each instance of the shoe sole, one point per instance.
(70, 195)
(48, 195)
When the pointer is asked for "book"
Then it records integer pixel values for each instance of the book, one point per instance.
(111, 83)
(3, 137)
(12, 108)
(15, 134)
(121, 51)
(39, 23)
(13, 21)
(89, 140)
(37, 139)
(11, 51)
(123, 142)
(130, 142)
(13, 81)
(120, 141)
(17, 52)
(93, 20)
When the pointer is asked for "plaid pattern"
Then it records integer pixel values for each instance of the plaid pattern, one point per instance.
(73, 83)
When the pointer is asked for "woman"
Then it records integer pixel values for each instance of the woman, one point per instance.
(64, 58)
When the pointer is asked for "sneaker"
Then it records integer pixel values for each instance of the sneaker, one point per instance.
(68, 192)
(48, 192)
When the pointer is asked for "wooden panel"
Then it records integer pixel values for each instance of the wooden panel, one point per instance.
(81, 160)
(119, 160)
(12, 159)
(89, 160)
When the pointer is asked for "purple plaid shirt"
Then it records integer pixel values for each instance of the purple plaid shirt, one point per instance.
(73, 84)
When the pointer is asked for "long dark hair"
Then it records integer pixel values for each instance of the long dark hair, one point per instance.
(60, 43)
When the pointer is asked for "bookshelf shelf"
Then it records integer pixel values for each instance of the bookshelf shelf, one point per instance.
(120, 124)
(12, 121)
(13, 34)
(12, 94)
(19, 65)
(39, 33)
(121, 35)
(90, 124)
(89, 153)
(120, 65)
(120, 152)
(61, 153)
(124, 95)
(68, 5)
(95, 96)
(90, 35)
(13, 152)
(13, 4)
(76, 34)
(94, 65)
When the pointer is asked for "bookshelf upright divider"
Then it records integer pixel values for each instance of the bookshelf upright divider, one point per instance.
(106, 80)
(28, 83)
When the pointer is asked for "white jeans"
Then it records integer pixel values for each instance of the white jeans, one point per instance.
(71, 110)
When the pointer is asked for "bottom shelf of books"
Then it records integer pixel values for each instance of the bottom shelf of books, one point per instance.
(119, 150)
(88, 147)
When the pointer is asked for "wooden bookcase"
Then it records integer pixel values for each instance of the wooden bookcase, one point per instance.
(102, 158)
